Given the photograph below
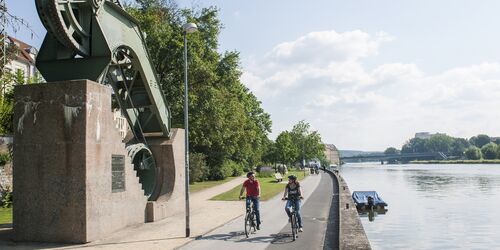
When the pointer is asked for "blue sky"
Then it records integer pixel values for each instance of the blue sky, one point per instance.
(366, 74)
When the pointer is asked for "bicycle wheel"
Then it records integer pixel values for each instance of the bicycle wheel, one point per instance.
(248, 223)
(294, 226)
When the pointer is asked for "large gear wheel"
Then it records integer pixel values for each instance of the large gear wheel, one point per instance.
(69, 21)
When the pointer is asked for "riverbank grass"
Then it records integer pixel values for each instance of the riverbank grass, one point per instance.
(198, 186)
(5, 215)
(269, 187)
(482, 161)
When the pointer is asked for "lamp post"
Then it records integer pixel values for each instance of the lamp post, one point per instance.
(188, 28)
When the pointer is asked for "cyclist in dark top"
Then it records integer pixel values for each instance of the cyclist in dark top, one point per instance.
(252, 187)
(293, 191)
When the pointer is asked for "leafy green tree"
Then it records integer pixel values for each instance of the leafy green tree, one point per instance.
(308, 142)
(391, 151)
(227, 122)
(198, 169)
(286, 150)
(415, 145)
(439, 143)
(458, 146)
(480, 140)
(473, 153)
(489, 151)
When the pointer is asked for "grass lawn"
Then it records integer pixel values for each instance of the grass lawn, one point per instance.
(5, 215)
(198, 186)
(269, 188)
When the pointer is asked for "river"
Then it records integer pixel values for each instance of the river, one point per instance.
(431, 206)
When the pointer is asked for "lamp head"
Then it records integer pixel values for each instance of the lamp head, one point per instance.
(189, 27)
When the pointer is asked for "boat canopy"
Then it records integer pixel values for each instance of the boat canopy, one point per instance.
(361, 198)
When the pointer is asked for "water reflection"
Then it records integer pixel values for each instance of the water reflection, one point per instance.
(371, 213)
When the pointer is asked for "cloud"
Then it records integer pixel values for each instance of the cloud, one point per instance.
(321, 77)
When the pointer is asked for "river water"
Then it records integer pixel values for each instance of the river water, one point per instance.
(431, 206)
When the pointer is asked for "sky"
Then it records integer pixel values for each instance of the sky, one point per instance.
(365, 74)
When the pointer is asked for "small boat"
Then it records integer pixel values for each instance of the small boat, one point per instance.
(368, 199)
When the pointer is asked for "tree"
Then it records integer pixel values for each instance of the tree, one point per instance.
(473, 153)
(286, 150)
(227, 122)
(458, 146)
(480, 140)
(439, 143)
(415, 145)
(308, 142)
(489, 151)
(391, 151)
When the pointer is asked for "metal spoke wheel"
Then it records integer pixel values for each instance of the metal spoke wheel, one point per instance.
(295, 228)
(248, 224)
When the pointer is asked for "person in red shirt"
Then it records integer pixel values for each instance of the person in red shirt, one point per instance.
(252, 187)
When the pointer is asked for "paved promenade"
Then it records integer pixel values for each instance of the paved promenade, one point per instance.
(166, 234)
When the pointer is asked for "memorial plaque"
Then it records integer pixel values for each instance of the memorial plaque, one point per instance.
(117, 173)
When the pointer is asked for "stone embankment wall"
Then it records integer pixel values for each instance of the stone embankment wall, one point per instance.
(352, 233)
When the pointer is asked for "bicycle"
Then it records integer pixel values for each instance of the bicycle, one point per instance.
(250, 219)
(293, 220)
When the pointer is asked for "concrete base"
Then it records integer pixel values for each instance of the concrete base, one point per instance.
(169, 196)
(65, 137)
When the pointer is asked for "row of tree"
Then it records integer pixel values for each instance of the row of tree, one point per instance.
(228, 127)
(295, 146)
(476, 147)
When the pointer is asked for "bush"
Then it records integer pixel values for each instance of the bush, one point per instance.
(220, 172)
(4, 158)
(237, 169)
(265, 171)
(198, 169)
(489, 151)
(473, 153)
(6, 198)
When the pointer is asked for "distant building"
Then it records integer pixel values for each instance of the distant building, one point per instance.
(24, 60)
(332, 154)
(426, 135)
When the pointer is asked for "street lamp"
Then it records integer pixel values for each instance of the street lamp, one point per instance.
(188, 28)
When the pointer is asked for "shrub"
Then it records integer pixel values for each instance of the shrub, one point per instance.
(198, 169)
(4, 158)
(220, 172)
(6, 198)
(265, 171)
(489, 151)
(473, 153)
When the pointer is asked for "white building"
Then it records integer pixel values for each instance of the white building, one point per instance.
(24, 60)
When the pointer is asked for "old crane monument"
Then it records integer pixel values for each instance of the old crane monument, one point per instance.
(76, 179)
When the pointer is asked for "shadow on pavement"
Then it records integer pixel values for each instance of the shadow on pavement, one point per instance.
(239, 236)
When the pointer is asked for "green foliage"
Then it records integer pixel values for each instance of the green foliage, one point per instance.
(414, 145)
(286, 150)
(4, 158)
(391, 151)
(480, 140)
(265, 172)
(227, 122)
(489, 151)
(198, 169)
(6, 117)
(473, 153)
(308, 143)
(6, 199)
(439, 143)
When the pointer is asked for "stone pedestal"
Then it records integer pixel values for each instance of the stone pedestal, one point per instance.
(169, 196)
(73, 180)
